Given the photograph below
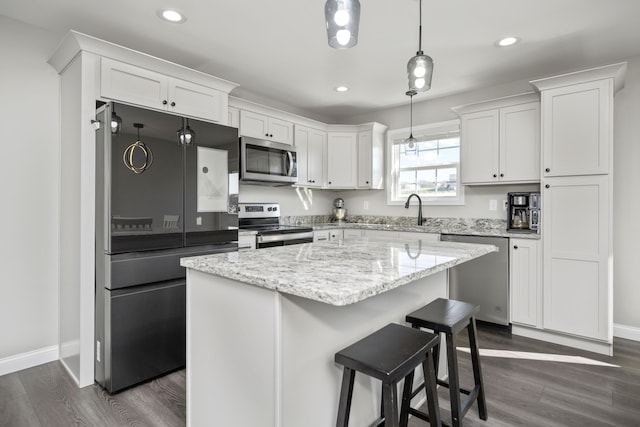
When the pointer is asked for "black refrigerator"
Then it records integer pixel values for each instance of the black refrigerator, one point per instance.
(166, 188)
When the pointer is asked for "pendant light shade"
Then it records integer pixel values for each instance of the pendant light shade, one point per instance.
(343, 19)
(420, 67)
(186, 135)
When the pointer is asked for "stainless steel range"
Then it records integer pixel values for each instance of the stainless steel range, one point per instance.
(264, 218)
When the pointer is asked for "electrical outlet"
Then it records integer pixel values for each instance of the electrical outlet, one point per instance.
(98, 351)
(504, 205)
(493, 205)
(366, 205)
(198, 220)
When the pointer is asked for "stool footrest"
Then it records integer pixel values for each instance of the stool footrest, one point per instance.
(424, 417)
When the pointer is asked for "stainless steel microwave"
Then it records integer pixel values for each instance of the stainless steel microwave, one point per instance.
(267, 162)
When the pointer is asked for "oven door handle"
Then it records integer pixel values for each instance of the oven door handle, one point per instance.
(284, 237)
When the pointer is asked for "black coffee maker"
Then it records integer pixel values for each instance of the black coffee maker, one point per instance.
(523, 212)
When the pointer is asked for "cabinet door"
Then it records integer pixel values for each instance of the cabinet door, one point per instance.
(254, 125)
(364, 159)
(195, 100)
(577, 125)
(525, 281)
(341, 159)
(280, 131)
(520, 143)
(479, 147)
(246, 242)
(575, 225)
(124, 82)
(310, 149)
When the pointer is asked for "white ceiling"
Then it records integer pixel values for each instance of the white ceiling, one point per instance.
(278, 49)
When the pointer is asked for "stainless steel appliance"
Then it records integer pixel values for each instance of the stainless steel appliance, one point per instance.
(157, 201)
(483, 281)
(523, 212)
(339, 211)
(264, 218)
(267, 162)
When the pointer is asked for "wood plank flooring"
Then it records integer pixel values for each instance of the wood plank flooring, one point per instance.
(520, 392)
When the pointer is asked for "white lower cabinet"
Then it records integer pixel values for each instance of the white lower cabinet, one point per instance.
(246, 242)
(525, 279)
(576, 218)
(351, 233)
(326, 235)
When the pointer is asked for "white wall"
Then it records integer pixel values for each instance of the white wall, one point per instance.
(28, 190)
(293, 201)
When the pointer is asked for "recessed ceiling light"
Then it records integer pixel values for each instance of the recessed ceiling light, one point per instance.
(507, 41)
(172, 15)
(341, 89)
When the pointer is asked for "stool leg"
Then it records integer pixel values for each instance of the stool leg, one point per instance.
(407, 391)
(477, 372)
(390, 401)
(431, 388)
(454, 381)
(346, 392)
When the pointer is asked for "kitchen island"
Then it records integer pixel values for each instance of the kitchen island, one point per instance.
(263, 326)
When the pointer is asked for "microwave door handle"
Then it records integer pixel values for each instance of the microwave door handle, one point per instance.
(290, 157)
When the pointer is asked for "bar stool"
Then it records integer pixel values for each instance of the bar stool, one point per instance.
(450, 317)
(390, 354)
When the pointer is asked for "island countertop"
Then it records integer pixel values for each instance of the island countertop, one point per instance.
(339, 272)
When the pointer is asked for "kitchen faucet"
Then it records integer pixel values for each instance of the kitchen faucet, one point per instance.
(406, 206)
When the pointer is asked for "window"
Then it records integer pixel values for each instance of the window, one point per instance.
(430, 167)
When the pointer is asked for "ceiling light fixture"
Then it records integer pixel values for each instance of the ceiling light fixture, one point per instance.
(507, 41)
(411, 140)
(172, 15)
(341, 89)
(343, 19)
(420, 67)
(186, 135)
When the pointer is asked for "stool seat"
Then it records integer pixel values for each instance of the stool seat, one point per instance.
(390, 355)
(450, 317)
(445, 315)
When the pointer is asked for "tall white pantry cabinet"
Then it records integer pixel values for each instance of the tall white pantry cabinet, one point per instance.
(576, 186)
(94, 70)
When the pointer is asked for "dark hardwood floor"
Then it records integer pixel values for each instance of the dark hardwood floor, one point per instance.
(523, 389)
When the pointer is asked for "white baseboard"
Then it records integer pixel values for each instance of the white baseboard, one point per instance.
(29, 359)
(562, 339)
(626, 332)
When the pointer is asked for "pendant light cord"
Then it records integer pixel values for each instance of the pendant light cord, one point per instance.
(420, 31)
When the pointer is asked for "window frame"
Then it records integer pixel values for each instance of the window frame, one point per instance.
(392, 172)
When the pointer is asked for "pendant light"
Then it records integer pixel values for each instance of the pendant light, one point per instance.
(116, 122)
(342, 18)
(186, 135)
(137, 157)
(420, 67)
(411, 140)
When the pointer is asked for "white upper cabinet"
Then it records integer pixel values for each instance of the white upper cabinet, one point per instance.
(311, 153)
(260, 126)
(500, 140)
(234, 117)
(135, 85)
(371, 156)
(578, 127)
(342, 159)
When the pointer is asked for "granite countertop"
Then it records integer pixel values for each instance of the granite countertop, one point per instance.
(460, 226)
(338, 272)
